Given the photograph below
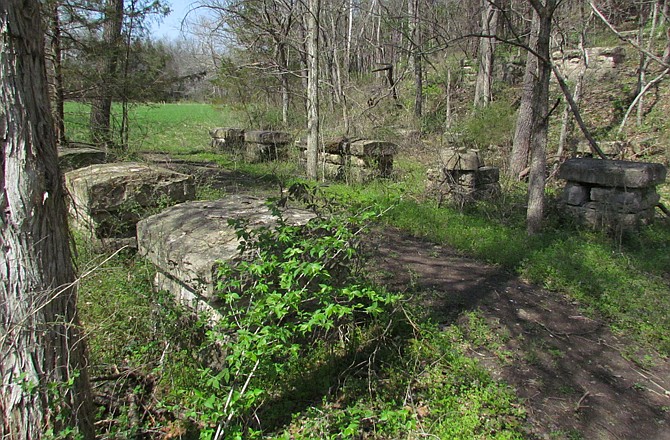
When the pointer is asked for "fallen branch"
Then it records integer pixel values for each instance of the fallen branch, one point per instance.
(639, 96)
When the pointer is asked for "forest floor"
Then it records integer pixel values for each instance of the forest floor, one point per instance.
(567, 368)
(575, 377)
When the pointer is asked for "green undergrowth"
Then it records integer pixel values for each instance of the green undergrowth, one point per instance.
(304, 348)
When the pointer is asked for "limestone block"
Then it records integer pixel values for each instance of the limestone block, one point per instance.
(254, 153)
(227, 138)
(227, 133)
(593, 215)
(467, 179)
(576, 194)
(359, 174)
(487, 175)
(188, 241)
(109, 199)
(614, 173)
(112, 186)
(334, 159)
(73, 157)
(453, 159)
(626, 200)
(268, 137)
(368, 147)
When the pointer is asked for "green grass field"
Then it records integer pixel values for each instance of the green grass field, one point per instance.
(181, 128)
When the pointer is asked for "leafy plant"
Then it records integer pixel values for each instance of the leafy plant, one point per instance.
(294, 290)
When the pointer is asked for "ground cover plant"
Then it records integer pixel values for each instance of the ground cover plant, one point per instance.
(305, 348)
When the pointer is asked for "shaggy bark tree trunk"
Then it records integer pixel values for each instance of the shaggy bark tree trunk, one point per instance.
(43, 380)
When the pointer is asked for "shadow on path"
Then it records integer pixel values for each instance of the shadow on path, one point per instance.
(568, 368)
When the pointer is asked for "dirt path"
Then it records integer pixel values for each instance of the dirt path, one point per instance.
(567, 367)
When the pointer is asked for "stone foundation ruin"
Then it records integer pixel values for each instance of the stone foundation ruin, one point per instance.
(79, 155)
(107, 200)
(612, 194)
(254, 146)
(188, 242)
(353, 160)
(462, 177)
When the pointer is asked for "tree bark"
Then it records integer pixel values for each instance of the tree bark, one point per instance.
(101, 105)
(540, 118)
(44, 385)
(313, 87)
(58, 90)
(522, 132)
(484, 82)
(415, 54)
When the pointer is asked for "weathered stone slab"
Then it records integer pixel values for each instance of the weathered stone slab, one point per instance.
(268, 137)
(226, 138)
(614, 173)
(369, 147)
(186, 242)
(227, 133)
(629, 200)
(488, 175)
(254, 153)
(109, 199)
(73, 157)
(453, 159)
(575, 194)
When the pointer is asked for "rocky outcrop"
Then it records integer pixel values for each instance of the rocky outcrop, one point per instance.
(612, 194)
(188, 242)
(107, 200)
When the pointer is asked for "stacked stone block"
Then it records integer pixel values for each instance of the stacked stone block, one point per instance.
(462, 176)
(108, 200)
(611, 194)
(227, 139)
(262, 145)
(188, 242)
(353, 160)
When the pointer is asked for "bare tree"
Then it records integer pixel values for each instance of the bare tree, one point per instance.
(489, 28)
(44, 385)
(313, 15)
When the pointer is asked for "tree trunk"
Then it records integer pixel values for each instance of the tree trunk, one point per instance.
(284, 85)
(58, 91)
(415, 54)
(484, 83)
(44, 384)
(101, 105)
(313, 87)
(522, 133)
(540, 120)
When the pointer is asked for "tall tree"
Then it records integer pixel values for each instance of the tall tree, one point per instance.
(522, 133)
(44, 386)
(101, 104)
(543, 14)
(313, 15)
(487, 44)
